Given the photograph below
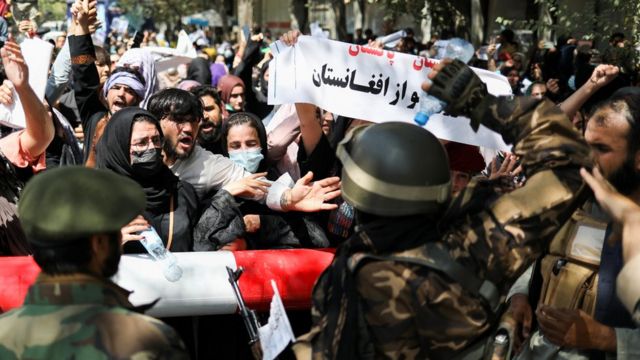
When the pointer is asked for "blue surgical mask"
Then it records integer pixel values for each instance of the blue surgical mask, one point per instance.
(248, 159)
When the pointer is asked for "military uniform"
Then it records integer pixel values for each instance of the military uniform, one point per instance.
(84, 317)
(73, 311)
(410, 310)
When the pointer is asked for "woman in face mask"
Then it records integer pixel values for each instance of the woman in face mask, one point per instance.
(132, 146)
(244, 140)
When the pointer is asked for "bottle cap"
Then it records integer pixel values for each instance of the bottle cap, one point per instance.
(421, 118)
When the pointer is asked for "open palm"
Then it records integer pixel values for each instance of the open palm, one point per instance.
(14, 65)
(310, 196)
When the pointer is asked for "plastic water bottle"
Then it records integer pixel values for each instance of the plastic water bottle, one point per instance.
(152, 242)
(456, 49)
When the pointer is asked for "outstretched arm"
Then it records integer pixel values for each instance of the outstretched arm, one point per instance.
(39, 125)
(509, 231)
(601, 76)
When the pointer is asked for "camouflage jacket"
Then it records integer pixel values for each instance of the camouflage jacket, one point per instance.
(412, 312)
(82, 317)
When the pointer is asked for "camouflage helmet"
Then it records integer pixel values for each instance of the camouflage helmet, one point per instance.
(394, 169)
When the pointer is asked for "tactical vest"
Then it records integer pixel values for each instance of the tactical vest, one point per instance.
(434, 257)
(570, 270)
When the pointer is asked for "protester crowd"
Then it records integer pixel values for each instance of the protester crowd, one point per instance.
(221, 169)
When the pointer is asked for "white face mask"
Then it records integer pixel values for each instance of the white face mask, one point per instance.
(249, 159)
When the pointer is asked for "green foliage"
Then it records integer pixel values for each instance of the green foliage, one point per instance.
(445, 15)
(53, 9)
(594, 20)
(170, 11)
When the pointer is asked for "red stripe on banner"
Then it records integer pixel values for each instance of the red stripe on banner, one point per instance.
(17, 273)
(294, 271)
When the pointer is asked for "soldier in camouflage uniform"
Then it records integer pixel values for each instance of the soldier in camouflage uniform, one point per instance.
(72, 218)
(424, 275)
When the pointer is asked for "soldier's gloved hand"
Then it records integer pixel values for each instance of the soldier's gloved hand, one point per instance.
(460, 88)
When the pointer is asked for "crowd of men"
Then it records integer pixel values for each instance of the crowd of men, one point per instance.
(443, 250)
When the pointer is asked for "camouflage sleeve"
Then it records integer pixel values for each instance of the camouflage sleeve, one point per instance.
(501, 241)
(415, 313)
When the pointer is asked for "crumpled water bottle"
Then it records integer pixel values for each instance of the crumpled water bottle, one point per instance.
(456, 49)
(169, 263)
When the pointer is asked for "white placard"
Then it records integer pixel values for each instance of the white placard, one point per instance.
(37, 55)
(370, 84)
(277, 333)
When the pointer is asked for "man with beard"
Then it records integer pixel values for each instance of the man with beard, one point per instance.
(180, 113)
(72, 217)
(209, 133)
(578, 313)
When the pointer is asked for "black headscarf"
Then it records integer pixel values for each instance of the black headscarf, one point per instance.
(199, 71)
(113, 153)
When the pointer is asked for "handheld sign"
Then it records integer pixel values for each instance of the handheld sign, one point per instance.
(369, 84)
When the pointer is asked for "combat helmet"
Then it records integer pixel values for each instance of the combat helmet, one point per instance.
(394, 169)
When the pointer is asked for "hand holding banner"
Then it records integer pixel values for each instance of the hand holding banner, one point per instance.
(37, 55)
(367, 83)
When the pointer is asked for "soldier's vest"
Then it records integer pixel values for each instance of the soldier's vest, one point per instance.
(434, 257)
(570, 270)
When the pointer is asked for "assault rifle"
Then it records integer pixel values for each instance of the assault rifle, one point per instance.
(248, 315)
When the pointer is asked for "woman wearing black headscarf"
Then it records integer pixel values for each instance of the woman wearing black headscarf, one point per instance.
(131, 146)
(199, 71)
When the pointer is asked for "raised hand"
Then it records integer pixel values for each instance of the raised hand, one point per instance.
(460, 88)
(14, 64)
(84, 15)
(507, 169)
(604, 74)
(291, 37)
(611, 201)
(553, 86)
(310, 196)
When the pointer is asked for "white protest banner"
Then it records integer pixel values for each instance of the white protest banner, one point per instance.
(370, 84)
(37, 55)
(277, 333)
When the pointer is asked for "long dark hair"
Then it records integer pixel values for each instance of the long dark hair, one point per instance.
(250, 119)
